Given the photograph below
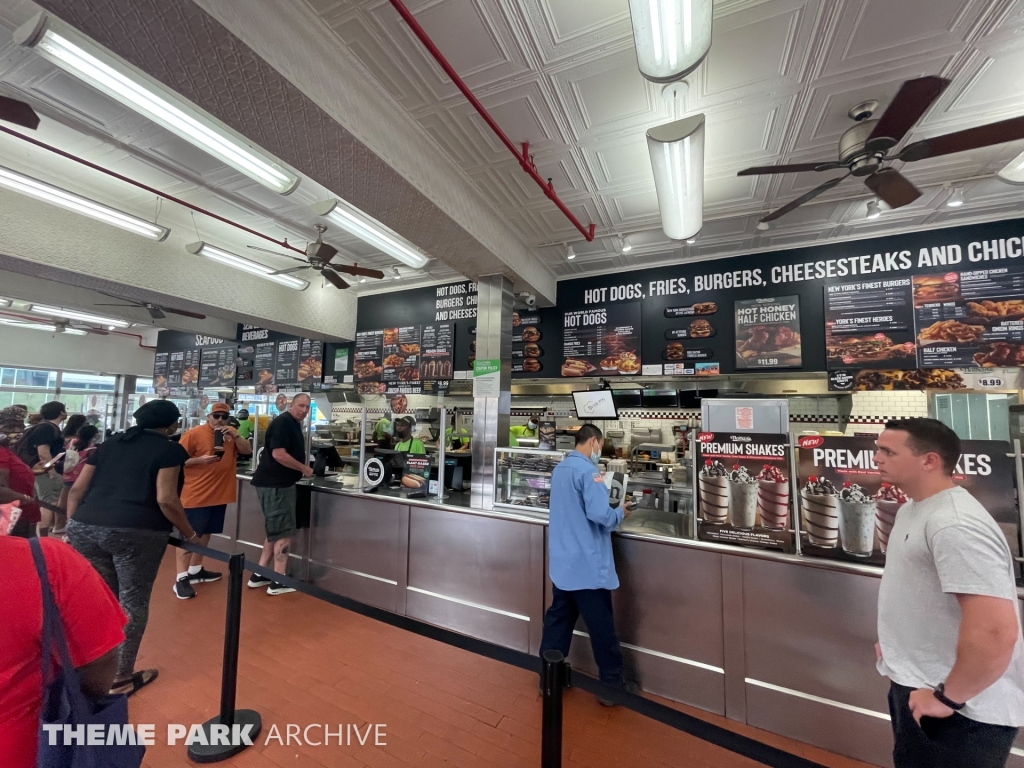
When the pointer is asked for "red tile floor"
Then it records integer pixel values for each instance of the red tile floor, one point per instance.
(303, 661)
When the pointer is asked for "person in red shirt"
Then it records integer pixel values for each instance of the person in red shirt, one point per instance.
(93, 623)
(16, 475)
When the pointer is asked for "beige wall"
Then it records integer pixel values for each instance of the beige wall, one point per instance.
(21, 348)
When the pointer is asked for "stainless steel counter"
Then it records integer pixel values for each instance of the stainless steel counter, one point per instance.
(780, 642)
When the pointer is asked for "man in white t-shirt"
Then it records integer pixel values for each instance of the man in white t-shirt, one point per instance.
(949, 635)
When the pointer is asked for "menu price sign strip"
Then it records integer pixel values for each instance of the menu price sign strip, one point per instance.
(768, 333)
(870, 324)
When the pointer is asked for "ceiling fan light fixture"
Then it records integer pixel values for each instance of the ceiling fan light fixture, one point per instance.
(763, 226)
(956, 199)
(1013, 171)
(64, 46)
(246, 265)
(672, 37)
(371, 231)
(570, 253)
(874, 209)
(677, 158)
(40, 190)
(625, 246)
(74, 314)
(395, 274)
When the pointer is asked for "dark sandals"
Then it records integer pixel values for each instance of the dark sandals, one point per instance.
(135, 682)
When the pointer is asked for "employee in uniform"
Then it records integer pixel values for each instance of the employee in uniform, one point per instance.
(530, 430)
(404, 441)
(580, 562)
(381, 428)
(456, 443)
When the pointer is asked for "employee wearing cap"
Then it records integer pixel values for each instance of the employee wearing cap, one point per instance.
(404, 439)
(210, 485)
(530, 430)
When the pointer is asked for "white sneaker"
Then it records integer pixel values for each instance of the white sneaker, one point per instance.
(278, 589)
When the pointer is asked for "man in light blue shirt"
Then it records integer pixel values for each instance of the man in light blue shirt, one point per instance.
(580, 556)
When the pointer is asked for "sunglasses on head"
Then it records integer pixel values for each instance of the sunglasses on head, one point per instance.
(220, 415)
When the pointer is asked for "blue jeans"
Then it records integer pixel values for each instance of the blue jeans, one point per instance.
(595, 606)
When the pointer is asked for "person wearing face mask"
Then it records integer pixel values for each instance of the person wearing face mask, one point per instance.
(514, 433)
(404, 441)
(580, 560)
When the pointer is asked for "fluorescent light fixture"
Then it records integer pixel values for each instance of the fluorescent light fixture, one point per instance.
(48, 193)
(246, 265)
(874, 210)
(570, 253)
(48, 327)
(624, 245)
(95, 65)
(1013, 171)
(956, 199)
(370, 231)
(74, 314)
(677, 157)
(5, 302)
(672, 37)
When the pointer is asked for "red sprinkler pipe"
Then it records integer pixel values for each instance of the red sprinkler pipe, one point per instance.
(524, 156)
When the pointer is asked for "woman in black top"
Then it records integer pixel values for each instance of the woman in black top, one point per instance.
(121, 510)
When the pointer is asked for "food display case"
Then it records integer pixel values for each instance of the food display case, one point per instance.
(522, 478)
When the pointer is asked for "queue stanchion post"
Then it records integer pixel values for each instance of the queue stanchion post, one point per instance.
(553, 680)
(224, 732)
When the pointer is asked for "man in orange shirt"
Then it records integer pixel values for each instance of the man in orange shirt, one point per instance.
(210, 485)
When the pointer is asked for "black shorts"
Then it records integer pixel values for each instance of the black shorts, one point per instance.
(207, 519)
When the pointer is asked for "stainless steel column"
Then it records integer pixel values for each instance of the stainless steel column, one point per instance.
(491, 414)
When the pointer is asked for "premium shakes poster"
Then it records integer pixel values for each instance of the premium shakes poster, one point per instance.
(768, 333)
(847, 512)
(743, 489)
(438, 348)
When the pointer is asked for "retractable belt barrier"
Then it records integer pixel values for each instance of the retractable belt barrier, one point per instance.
(555, 673)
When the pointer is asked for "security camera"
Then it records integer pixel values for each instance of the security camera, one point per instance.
(528, 299)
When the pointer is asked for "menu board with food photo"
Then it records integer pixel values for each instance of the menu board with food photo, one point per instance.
(976, 321)
(437, 349)
(847, 512)
(602, 341)
(768, 333)
(217, 366)
(175, 368)
(311, 362)
(870, 324)
(743, 489)
(401, 354)
(190, 373)
(871, 380)
(160, 369)
(263, 365)
(527, 343)
(370, 354)
(286, 369)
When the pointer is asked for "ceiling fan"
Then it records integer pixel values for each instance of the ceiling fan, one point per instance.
(863, 148)
(156, 311)
(318, 258)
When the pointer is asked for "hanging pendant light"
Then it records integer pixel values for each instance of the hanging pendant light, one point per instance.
(672, 37)
(677, 158)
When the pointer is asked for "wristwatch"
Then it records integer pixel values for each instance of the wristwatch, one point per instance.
(940, 694)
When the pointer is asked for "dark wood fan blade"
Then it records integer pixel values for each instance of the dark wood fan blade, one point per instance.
(334, 278)
(807, 196)
(355, 269)
(908, 105)
(19, 113)
(892, 187)
(762, 170)
(155, 313)
(961, 141)
(291, 269)
(184, 313)
(97, 331)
